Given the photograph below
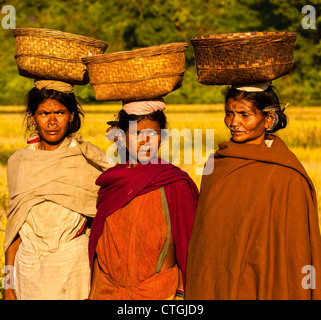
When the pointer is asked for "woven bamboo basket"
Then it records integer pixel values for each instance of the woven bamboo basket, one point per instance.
(139, 74)
(243, 58)
(55, 55)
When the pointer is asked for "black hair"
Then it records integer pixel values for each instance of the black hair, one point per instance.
(261, 100)
(36, 97)
(124, 118)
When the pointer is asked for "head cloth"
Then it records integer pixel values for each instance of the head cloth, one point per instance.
(255, 87)
(54, 85)
(143, 107)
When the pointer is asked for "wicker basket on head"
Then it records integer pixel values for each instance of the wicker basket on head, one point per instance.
(55, 55)
(138, 74)
(241, 58)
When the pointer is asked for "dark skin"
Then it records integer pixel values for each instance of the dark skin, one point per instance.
(51, 120)
(143, 140)
(8, 294)
(246, 123)
(153, 140)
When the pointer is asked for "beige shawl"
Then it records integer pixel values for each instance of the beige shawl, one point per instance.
(66, 177)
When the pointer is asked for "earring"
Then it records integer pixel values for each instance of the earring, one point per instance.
(274, 123)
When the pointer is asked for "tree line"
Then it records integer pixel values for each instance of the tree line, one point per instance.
(132, 24)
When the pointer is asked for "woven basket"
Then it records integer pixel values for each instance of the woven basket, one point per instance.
(243, 58)
(55, 55)
(139, 74)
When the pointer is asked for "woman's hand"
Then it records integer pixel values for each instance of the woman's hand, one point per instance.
(10, 255)
(180, 290)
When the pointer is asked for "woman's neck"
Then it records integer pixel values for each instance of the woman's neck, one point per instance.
(48, 146)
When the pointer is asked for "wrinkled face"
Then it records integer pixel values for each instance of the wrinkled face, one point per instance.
(143, 140)
(51, 120)
(246, 123)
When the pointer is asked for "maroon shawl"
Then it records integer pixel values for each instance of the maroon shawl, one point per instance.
(120, 184)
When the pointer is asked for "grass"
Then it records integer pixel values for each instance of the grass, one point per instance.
(303, 137)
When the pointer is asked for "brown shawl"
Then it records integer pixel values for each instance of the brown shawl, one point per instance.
(256, 227)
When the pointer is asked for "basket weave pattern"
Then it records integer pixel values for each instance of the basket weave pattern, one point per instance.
(139, 74)
(55, 55)
(242, 58)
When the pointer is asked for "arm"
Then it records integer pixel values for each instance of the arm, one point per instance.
(180, 289)
(10, 255)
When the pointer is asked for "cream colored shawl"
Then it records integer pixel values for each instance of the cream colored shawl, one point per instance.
(66, 177)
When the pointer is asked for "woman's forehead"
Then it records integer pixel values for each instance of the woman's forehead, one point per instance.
(144, 125)
(240, 105)
(51, 104)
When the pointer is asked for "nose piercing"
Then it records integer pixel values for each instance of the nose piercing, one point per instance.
(233, 127)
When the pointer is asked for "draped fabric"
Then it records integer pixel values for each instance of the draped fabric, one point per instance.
(50, 195)
(66, 177)
(128, 252)
(120, 185)
(256, 232)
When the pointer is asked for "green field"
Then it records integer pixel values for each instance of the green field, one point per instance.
(303, 137)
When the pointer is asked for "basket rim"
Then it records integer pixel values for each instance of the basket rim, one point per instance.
(166, 48)
(237, 36)
(57, 34)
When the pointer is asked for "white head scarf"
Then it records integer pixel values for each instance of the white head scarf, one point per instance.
(143, 107)
(255, 87)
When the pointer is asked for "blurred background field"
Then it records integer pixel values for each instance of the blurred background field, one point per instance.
(303, 137)
(127, 25)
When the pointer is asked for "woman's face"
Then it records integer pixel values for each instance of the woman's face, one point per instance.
(143, 140)
(51, 120)
(246, 123)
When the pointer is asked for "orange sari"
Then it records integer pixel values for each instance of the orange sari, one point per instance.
(132, 249)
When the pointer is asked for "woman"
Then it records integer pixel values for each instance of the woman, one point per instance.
(145, 213)
(256, 233)
(52, 198)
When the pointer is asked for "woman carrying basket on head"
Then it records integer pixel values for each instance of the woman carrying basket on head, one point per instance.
(52, 199)
(145, 213)
(256, 232)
